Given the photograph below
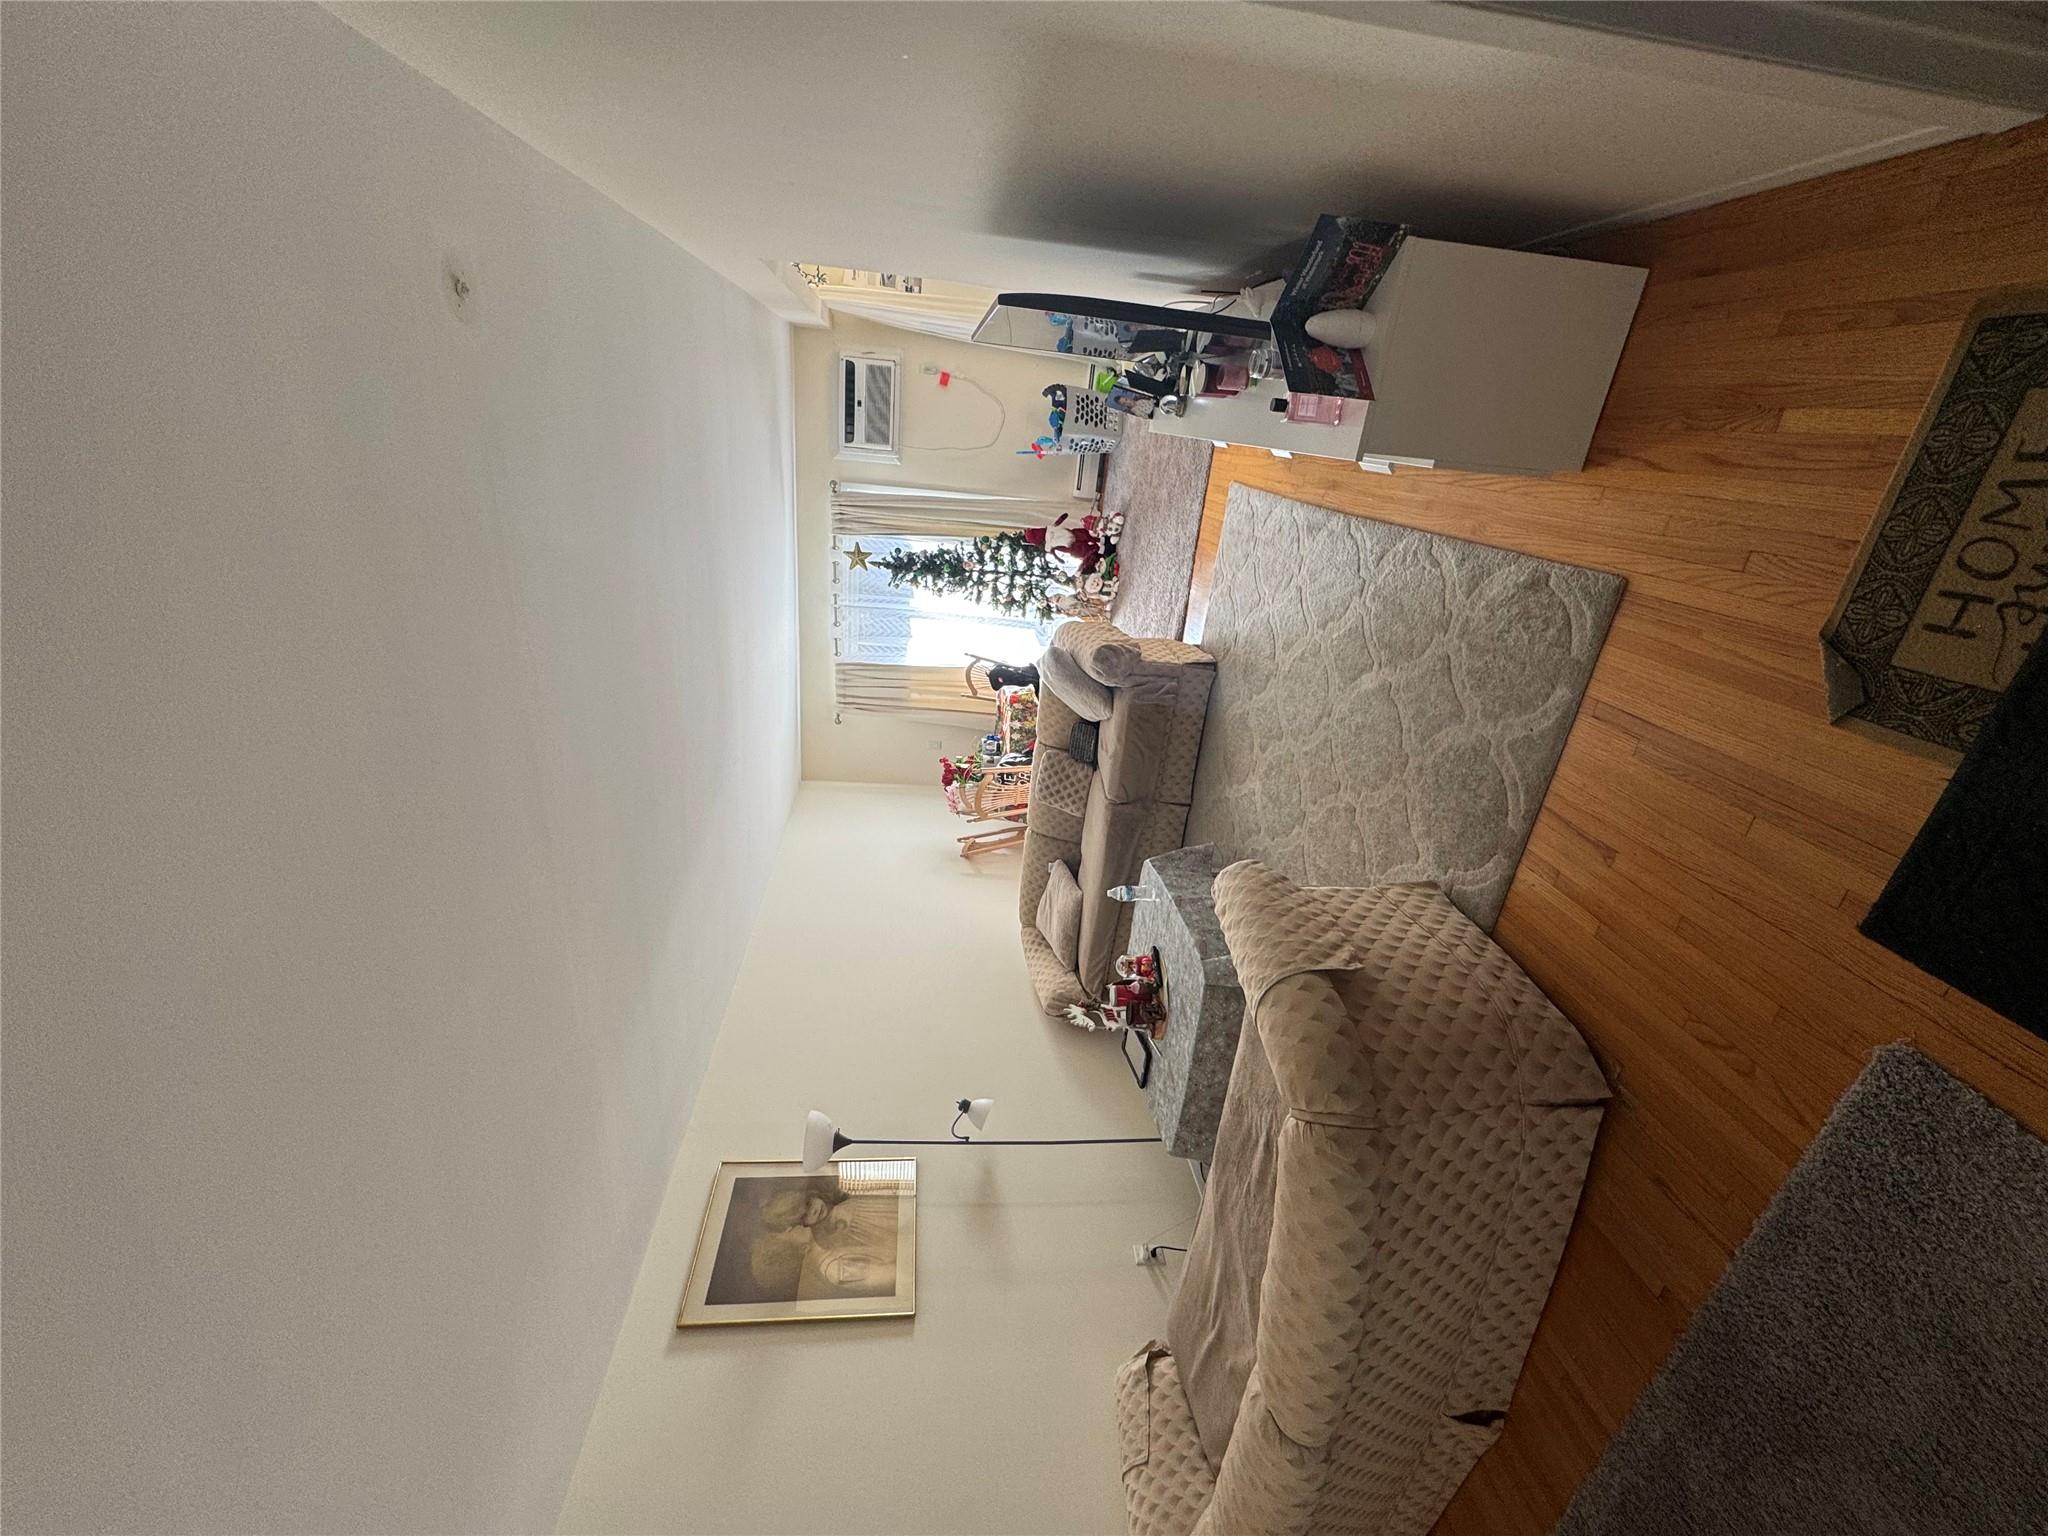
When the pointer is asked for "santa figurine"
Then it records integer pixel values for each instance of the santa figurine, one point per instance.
(1143, 967)
(1080, 542)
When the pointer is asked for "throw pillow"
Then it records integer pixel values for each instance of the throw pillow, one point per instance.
(1059, 914)
(1080, 692)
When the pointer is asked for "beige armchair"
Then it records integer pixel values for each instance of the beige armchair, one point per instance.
(1407, 1131)
(1104, 821)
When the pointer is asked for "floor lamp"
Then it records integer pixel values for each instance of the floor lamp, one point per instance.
(822, 1136)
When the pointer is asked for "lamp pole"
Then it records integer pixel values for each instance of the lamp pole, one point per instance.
(823, 1139)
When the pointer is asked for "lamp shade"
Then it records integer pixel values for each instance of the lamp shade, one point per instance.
(977, 1112)
(821, 1140)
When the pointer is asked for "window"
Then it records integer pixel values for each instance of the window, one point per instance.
(875, 622)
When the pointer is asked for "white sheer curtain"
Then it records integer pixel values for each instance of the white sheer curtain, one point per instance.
(875, 622)
(897, 650)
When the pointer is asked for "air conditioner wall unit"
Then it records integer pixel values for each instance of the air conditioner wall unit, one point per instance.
(867, 418)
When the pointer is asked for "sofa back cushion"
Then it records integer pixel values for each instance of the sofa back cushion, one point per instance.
(1053, 818)
(1055, 719)
(1059, 913)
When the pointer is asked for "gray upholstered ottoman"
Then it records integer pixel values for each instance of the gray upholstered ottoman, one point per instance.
(1204, 1006)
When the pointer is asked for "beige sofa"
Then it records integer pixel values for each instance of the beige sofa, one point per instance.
(1104, 821)
(1400, 1156)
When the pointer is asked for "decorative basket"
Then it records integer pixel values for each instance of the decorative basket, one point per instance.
(1096, 338)
(1091, 426)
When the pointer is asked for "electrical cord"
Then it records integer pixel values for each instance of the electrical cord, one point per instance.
(1002, 420)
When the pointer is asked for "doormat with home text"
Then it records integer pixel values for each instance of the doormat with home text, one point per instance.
(1950, 588)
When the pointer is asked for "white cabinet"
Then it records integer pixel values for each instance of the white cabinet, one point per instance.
(1485, 360)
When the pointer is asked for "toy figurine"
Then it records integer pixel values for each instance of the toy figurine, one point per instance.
(1137, 992)
(1094, 1016)
(1082, 542)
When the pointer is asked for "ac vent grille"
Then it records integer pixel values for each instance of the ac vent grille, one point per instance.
(867, 408)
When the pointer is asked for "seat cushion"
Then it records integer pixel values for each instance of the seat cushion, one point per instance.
(1041, 847)
(1153, 737)
(1116, 840)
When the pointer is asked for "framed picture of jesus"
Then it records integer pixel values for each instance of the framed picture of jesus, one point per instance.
(778, 1245)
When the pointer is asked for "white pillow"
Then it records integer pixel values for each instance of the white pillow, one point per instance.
(1059, 914)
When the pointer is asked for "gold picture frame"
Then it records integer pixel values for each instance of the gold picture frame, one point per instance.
(778, 1245)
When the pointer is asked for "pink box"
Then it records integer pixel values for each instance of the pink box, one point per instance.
(1328, 410)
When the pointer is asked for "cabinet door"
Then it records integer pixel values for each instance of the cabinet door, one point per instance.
(1496, 360)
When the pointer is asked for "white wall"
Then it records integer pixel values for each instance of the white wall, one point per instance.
(400, 721)
(884, 981)
(1132, 150)
(879, 749)
(946, 430)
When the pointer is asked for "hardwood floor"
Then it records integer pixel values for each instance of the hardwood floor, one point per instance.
(1690, 892)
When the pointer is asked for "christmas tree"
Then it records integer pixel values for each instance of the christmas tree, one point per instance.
(1003, 571)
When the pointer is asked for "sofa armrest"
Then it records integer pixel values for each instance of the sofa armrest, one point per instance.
(1166, 1479)
(1268, 1483)
(1057, 987)
(1112, 657)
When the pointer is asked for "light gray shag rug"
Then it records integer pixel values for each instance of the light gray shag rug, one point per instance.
(1389, 704)
(1158, 483)
(1875, 1360)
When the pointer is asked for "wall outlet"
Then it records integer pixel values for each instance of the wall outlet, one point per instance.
(935, 745)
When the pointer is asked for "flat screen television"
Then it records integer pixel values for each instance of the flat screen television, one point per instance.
(1340, 268)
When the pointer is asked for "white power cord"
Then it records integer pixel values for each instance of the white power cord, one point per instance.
(1002, 415)
(1148, 1253)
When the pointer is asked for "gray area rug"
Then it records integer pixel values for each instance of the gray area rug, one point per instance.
(1389, 704)
(1875, 1359)
(1158, 483)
